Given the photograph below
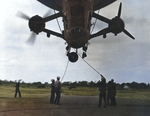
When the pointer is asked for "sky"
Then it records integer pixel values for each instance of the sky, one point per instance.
(116, 57)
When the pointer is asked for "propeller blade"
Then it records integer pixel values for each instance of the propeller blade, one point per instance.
(127, 33)
(119, 11)
(31, 39)
(22, 15)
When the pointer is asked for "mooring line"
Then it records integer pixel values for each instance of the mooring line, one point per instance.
(65, 71)
(89, 65)
(8, 93)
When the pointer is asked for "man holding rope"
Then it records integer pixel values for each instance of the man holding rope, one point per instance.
(102, 89)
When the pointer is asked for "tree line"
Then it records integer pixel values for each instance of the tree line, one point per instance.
(134, 85)
(75, 84)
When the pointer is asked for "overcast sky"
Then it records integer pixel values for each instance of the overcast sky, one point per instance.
(117, 57)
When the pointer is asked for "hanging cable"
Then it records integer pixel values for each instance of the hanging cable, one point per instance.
(89, 65)
(8, 93)
(58, 22)
(84, 59)
(68, 60)
(65, 71)
(78, 54)
(94, 23)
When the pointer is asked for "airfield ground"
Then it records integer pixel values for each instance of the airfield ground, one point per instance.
(79, 101)
(72, 106)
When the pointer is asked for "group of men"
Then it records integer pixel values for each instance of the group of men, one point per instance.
(55, 89)
(111, 92)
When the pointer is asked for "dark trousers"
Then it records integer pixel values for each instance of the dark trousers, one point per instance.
(52, 97)
(108, 100)
(57, 99)
(100, 99)
(17, 91)
(113, 101)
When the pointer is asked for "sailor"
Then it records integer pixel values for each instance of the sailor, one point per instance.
(102, 89)
(52, 91)
(113, 93)
(109, 93)
(57, 90)
(17, 89)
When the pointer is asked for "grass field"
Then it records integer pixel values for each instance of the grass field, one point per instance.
(35, 102)
(8, 92)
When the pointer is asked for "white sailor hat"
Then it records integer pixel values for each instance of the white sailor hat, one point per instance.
(58, 77)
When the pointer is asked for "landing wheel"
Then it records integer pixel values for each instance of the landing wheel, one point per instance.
(73, 57)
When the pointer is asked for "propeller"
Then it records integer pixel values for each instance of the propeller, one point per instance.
(36, 24)
(32, 37)
(119, 11)
(115, 25)
(127, 33)
(22, 15)
(124, 30)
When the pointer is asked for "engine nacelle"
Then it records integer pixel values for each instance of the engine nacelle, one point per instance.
(116, 25)
(36, 24)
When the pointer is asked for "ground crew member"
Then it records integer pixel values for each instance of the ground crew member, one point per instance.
(109, 93)
(102, 89)
(57, 90)
(17, 89)
(52, 91)
(113, 93)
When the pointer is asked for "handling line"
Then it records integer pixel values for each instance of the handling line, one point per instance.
(85, 62)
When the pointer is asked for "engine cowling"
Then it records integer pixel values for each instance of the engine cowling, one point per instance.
(116, 25)
(36, 24)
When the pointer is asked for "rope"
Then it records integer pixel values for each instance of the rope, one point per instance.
(78, 54)
(26, 97)
(94, 23)
(90, 65)
(8, 93)
(65, 70)
(84, 59)
(68, 60)
(58, 22)
(85, 62)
